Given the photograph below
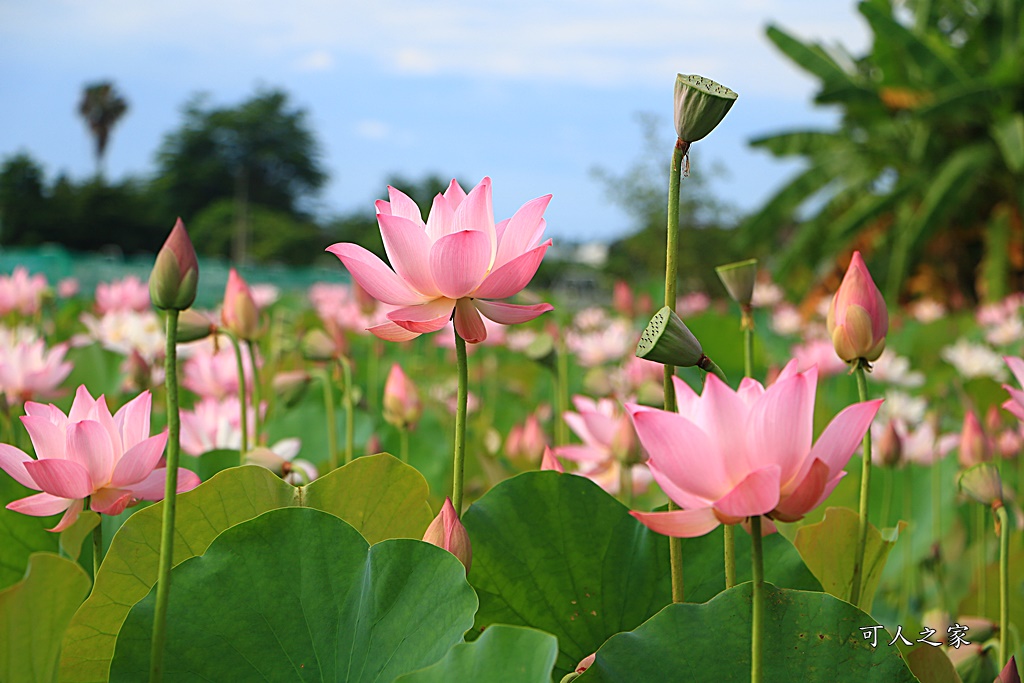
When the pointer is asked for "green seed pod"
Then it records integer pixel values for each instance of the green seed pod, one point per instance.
(667, 340)
(738, 279)
(700, 105)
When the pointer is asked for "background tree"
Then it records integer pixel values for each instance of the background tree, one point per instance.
(260, 153)
(102, 107)
(23, 204)
(926, 170)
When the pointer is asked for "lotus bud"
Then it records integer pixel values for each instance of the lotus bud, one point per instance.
(402, 407)
(175, 275)
(316, 345)
(622, 299)
(667, 340)
(1009, 674)
(193, 326)
(239, 314)
(550, 461)
(290, 387)
(644, 304)
(857, 317)
(982, 483)
(526, 441)
(974, 445)
(446, 531)
(738, 279)
(373, 445)
(700, 105)
(889, 450)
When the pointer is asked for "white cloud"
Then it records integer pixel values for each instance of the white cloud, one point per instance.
(319, 60)
(372, 129)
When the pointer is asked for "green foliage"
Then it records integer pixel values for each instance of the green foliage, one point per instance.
(810, 637)
(276, 235)
(927, 155)
(20, 535)
(503, 654)
(298, 594)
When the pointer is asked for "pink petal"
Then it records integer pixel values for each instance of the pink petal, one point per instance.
(511, 277)
(389, 331)
(106, 421)
(582, 454)
(441, 220)
(757, 494)
(70, 516)
(139, 461)
(110, 501)
(476, 213)
(83, 404)
(61, 478)
(402, 205)
(459, 262)
(805, 494)
(550, 461)
(376, 278)
(791, 368)
(152, 487)
(510, 314)
(47, 438)
(518, 234)
(468, 322)
(12, 461)
(1016, 367)
(49, 412)
(132, 420)
(679, 461)
(1014, 408)
(842, 436)
(679, 523)
(454, 194)
(829, 488)
(422, 318)
(781, 424)
(40, 505)
(88, 444)
(687, 400)
(718, 412)
(408, 247)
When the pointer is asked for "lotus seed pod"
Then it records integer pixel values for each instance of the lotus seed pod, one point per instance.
(700, 105)
(316, 345)
(738, 279)
(667, 340)
(982, 483)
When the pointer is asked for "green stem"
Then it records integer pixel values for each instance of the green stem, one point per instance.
(886, 474)
(256, 391)
(980, 523)
(460, 422)
(332, 422)
(1004, 583)
(908, 567)
(936, 474)
(675, 545)
(747, 323)
(350, 415)
(242, 403)
(562, 393)
(373, 374)
(163, 584)
(865, 488)
(730, 555)
(403, 441)
(626, 483)
(708, 365)
(97, 549)
(757, 615)
(729, 537)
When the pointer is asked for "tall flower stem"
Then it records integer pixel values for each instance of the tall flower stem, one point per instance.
(97, 549)
(561, 392)
(332, 423)
(403, 444)
(1004, 582)
(256, 391)
(675, 545)
(865, 488)
(757, 613)
(163, 584)
(626, 483)
(729, 537)
(462, 369)
(243, 419)
(982, 557)
(373, 373)
(350, 416)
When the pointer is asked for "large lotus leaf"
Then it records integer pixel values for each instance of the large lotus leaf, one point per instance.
(231, 497)
(72, 537)
(503, 654)
(299, 595)
(829, 548)
(34, 614)
(20, 535)
(808, 637)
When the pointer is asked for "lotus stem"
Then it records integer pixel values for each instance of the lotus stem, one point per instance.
(865, 488)
(1004, 582)
(462, 368)
(757, 614)
(242, 403)
(163, 584)
(332, 423)
(373, 374)
(626, 483)
(982, 560)
(562, 393)
(346, 399)
(97, 549)
(256, 391)
(403, 447)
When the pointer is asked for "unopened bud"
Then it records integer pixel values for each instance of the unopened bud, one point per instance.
(982, 483)
(290, 387)
(175, 275)
(239, 313)
(857, 318)
(316, 345)
(446, 531)
(193, 326)
(550, 461)
(402, 407)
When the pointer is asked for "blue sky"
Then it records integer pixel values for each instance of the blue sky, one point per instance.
(533, 93)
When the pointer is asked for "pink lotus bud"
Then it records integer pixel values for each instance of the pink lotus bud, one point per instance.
(402, 407)
(172, 283)
(622, 299)
(586, 663)
(974, 445)
(526, 441)
(857, 317)
(550, 461)
(373, 445)
(239, 314)
(446, 531)
(193, 326)
(1009, 674)
(890, 446)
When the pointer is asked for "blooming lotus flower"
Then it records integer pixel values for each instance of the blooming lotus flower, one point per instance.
(446, 531)
(1015, 405)
(212, 371)
(89, 453)
(609, 444)
(729, 455)
(21, 292)
(128, 294)
(28, 370)
(215, 424)
(455, 262)
(857, 317)
(239, 315)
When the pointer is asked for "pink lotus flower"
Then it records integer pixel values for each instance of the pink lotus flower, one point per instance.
(212, 371)
(68, 287)
(89, 453)
(455, 262)
(120, 296)
(21, 292)
(857, 317)
(215, 424)
(1015, 405)
(728, 455)
(609, 444)
(28, 370)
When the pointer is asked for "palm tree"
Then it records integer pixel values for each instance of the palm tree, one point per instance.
(926, 170)
(101, 107)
